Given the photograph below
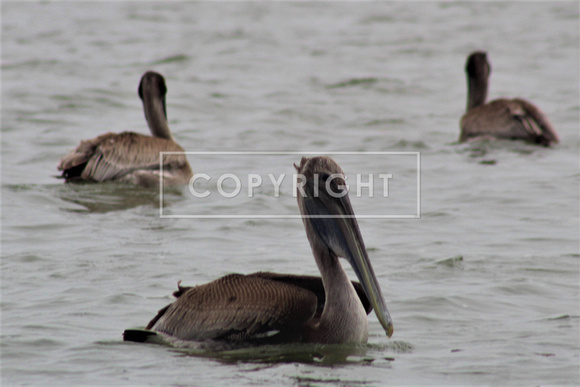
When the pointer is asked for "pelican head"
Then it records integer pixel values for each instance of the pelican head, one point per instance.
(478, 70)
(477, 65)
(152, 91)
(332, 228)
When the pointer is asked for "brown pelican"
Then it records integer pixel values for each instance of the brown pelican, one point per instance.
(500, 118)
(268, 308)
(132, 157)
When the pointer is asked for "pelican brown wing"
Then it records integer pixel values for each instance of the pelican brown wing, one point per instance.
(537, 122)
(237, 307)
(498, 118)
(113, 156)
(508, 119)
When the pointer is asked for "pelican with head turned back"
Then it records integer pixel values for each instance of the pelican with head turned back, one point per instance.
(132, 157)
(264, 308)
(501, 118)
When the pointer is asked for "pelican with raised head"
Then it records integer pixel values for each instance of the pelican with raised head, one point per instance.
(265, 308)
(501, 118)
(132, 157)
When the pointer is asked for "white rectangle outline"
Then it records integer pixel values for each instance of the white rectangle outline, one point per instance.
(162, 216)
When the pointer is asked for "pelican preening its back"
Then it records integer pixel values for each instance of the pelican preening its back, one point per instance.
(501, 118)
(277, 308)
(132, 157)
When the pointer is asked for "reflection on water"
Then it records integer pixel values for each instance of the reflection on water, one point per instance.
(111, 196)
(485, 148)
(321, 354)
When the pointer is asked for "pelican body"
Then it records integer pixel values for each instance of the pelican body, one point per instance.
(265, 308)
(132, 157)
(501, 118)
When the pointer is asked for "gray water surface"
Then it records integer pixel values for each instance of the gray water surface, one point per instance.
(483, 288)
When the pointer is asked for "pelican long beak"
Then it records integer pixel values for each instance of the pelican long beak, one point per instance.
(334, 221)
